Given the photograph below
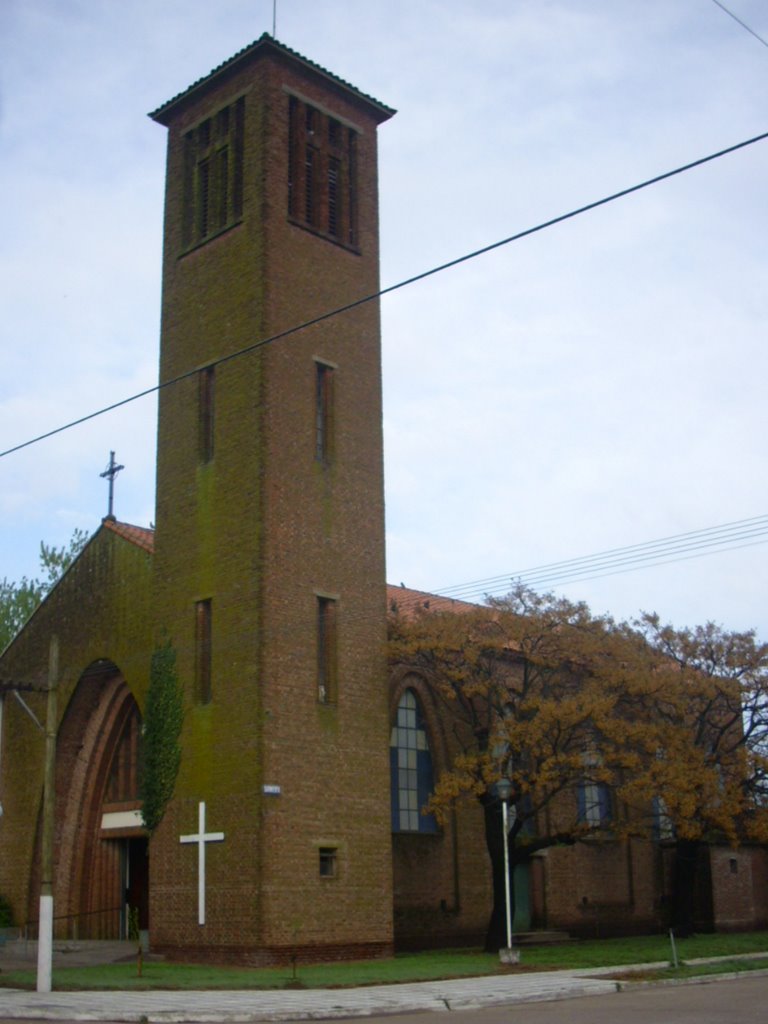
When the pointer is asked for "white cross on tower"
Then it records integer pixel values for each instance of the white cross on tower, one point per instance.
(201, 839)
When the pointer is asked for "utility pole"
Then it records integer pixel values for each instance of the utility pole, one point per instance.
(45, 928)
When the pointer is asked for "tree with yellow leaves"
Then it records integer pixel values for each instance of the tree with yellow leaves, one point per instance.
(601, 728)
(707, 693)
(537, 690)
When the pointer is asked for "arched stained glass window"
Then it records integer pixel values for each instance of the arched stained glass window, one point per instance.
(411, 768)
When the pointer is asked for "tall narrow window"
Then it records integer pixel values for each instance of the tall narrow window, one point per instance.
(324, 410)
(327, 641)
(351, 188)
(206, 388)
(203, 197)
(594, 804)
(410, 769)
(309, 186)
(123, 784)
(322, 173)
(222, 187)
(333, 196)
(593, 796)
(213, 174)
(663, 826)
(203, 651)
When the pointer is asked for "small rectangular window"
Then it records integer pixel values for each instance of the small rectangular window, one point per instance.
(206, 387)
(328, 861)
(327, 640)
(324, 410)
(203, 651)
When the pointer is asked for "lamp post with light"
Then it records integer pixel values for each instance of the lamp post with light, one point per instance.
(504, 791)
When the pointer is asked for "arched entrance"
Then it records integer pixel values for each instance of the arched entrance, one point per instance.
(102, 853)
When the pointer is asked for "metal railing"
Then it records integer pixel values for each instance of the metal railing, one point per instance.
(107, 923)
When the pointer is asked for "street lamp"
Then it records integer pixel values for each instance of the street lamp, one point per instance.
(504, 791)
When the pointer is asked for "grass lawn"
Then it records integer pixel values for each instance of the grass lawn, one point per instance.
(402, 968)
(696, 970)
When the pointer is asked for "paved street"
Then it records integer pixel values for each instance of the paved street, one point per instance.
(741, 1001)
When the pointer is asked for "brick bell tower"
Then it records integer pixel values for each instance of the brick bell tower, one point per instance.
(270, 516)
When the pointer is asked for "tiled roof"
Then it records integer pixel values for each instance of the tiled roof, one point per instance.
(266, 42)
(141, 536)
(404, 601)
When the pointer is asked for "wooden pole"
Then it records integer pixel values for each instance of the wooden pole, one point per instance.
(45, 933)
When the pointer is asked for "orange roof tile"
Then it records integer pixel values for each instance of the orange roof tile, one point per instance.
(141, 536)
(405, 601)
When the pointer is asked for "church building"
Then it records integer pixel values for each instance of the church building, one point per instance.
(266, 568)
(295, 827)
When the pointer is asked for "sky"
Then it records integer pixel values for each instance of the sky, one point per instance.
(598, 384)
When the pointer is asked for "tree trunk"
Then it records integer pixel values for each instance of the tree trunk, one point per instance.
(684, 886)
(496, 935)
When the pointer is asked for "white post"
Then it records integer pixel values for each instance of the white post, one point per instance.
(507, 899)
(45, 943)
(45, 927)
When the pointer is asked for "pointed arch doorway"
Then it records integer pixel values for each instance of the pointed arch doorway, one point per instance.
(102, 862)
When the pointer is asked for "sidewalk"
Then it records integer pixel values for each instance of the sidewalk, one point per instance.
(281, 1004)
(291, 1004)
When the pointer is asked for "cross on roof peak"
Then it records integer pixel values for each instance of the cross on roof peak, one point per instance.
(110, 473)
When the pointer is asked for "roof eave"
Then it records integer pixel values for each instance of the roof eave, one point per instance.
(166, 112)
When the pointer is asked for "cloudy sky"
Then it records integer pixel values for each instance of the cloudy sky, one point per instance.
(597, 385)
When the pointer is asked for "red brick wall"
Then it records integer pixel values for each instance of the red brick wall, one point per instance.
(739, 887)
(260, 531)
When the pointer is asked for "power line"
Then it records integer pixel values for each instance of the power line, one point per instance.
(680, 547)
(578, 211)
(710, 536)
(616, 561)
(743, 24)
